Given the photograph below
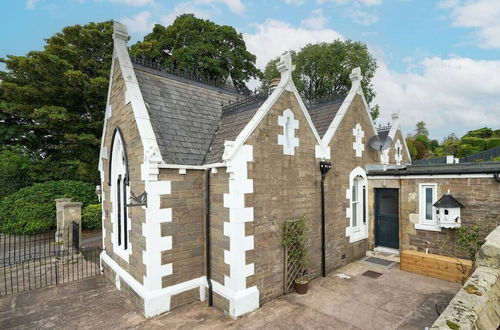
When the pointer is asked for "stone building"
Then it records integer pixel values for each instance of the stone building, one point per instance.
(197, 181)
(405, 204)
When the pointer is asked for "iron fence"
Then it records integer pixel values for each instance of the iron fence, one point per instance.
(35, 261)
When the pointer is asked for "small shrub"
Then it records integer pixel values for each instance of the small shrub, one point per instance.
(33, 209)
(92, 216)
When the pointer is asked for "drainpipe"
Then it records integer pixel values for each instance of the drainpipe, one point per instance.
(324, 167)
(207, 237)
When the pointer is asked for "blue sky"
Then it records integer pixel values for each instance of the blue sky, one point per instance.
(439, 61)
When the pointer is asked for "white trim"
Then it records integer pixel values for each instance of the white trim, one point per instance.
(285, 68)
(424, 223)
(356, 89)
(359, 232)
(155, 301)
(398, 157)
(241, 299)
(288, 139)
(430, 176)
(192, 167)
(358, 145)
(118, 168)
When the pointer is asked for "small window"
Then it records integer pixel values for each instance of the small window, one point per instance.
(428, 214)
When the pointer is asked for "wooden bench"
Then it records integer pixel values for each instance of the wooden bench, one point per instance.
(434, 265)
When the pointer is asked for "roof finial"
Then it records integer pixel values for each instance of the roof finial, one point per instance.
(229, 84)
(356, 74)
(285, 66)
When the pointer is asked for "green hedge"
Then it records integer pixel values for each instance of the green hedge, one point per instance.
(92, 216)
(493, 142)
(33, 209)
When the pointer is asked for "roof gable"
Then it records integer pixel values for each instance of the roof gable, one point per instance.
(184, 114)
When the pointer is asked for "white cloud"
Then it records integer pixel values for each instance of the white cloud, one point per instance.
(356, 10)
(450, 95)
(30, 4)
(136, 3)
(361, 16)
(343, 2)
(294, 2)
(140, 23)
(316, 21)
(184, 8)
(274, 37)
(483, 15)
(236, 6)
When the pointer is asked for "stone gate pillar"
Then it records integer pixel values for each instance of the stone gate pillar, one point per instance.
(67, 213)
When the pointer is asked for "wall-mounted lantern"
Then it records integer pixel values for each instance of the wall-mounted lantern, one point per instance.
(448, 211)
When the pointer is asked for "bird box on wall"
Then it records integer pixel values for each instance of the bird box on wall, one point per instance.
(448, 211)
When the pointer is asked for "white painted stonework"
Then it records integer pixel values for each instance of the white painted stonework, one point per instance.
(361, 231)
(384, 156)
(358, 145)
(118, 168)
(241, 299)
(288, 139)
(398, 156)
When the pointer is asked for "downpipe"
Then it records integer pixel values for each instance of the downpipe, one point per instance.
(208, 256)
(324, 167)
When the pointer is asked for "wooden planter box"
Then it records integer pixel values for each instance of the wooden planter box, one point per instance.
(434, 265)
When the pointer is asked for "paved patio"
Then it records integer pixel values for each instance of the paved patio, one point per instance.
(395, 300)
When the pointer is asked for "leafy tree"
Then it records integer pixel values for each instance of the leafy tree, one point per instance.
(483, 133)
(200, 47)
(52, 101)
(421, 129)
(411, 148)
(323, 69)
(16, 171)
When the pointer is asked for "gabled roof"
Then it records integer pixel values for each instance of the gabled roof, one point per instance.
(230, 125)
(447, 201)
(184, 113)
(322, 114)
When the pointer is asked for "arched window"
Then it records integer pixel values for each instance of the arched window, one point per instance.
(118, 181)
(358, 208)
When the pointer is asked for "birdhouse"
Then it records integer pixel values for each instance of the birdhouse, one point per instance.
(448, 211)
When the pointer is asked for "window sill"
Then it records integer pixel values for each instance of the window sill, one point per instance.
(357, 235)
(427, 227)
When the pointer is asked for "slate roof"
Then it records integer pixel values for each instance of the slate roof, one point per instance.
(448, 201)
(230, 125)
(461, 168)
(322, 114)
(184, 113)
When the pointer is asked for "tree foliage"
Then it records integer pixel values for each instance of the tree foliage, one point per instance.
(200, 47)
(471, 143)
(323, 69)
(52, 101)
(33, 209)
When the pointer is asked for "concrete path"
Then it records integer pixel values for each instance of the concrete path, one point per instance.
(395, 300)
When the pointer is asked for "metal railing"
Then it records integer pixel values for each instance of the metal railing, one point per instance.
(35, 261)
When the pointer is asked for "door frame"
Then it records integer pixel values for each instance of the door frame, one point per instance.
(376, 214)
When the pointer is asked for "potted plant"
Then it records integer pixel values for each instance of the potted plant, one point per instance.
(301, 284)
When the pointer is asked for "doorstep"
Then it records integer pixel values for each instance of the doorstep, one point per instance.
(384, 253)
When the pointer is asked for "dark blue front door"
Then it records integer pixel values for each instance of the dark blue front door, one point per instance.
(386, 217)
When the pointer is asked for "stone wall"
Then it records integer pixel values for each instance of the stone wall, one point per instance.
(122, 117)
(481, 200)
(339, 250)
(477, 304)
(285, 187)
(186, 228)
(219, 185)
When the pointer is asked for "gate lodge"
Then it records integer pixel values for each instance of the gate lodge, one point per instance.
(198, 180)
